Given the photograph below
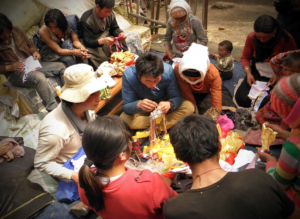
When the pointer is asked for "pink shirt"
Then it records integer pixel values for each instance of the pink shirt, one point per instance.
(136, 194)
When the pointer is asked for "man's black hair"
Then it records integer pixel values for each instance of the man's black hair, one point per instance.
(5, 23)
(195, 138)
(227, 44)
(105, 3)
(149, 65)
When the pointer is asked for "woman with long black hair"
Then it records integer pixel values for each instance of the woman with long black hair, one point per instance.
(60, 43)
(267, 40)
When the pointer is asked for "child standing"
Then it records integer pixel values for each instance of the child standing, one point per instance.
(224, 60)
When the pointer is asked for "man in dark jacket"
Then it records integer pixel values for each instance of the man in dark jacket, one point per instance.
(97, 24)
(15, 48)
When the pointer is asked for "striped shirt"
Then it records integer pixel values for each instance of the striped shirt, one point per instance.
(287, 170)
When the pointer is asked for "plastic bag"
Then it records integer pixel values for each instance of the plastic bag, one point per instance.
(68, 191)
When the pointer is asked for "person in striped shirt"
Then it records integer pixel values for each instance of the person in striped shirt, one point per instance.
(284, 64)
(286, 102)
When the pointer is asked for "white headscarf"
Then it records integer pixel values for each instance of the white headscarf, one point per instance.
(196, 58)
(182, 4)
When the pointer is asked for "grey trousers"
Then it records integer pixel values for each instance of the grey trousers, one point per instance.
(37, 80)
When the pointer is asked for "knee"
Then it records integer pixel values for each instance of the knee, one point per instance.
(68, 60)
(187, 107)
(39, 76)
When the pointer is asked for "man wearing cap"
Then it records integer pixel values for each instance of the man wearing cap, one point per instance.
(200, 82)
(147, 85)
(183, 29)
(97, 24)
(61, 130)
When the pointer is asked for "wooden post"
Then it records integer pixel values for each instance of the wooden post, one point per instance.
(148, 19)
(195, 7)
(157, 13)
(137, 11)
(204, 13)
(152, 13)
(130, 5)
(166, 10)
(127, 6)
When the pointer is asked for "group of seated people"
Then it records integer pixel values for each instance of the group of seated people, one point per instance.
(57, 47)
(193, 87)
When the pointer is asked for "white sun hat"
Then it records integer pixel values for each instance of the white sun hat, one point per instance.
(80, 83)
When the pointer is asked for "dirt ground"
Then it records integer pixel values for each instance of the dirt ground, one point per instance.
(237, 21)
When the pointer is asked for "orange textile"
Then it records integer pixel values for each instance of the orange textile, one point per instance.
(211, 83)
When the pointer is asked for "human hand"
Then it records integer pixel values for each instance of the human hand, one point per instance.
(36, 56)
(281, 133)
(85, 52)
(4, 148)
(250, 79)
(75, 177)
(196, 109)
(170, 54)
(265, 156)
(165, 106)
(272, 80)
(106, 41)
(147, 105)
(213, 56)
(123, 35)
(16, 66)
(81, 54)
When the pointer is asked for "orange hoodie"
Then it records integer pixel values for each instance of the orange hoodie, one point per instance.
(212, 83)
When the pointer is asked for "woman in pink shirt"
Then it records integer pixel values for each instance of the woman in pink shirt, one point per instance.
(110, 189)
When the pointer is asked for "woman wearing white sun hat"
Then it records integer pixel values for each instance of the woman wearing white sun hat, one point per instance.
(61, 130)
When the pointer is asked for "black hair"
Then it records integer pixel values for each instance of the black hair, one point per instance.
(149, 65)
(5, 23)
(292, 59)
(105, 3)
(195, 138)
(265, 24)
(103, 141)
(227, 44)
(57, 17)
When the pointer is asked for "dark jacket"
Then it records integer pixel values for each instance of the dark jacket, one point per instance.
(8, 56)
(89, 28)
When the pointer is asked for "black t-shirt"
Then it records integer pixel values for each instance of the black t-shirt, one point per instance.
(240, 195)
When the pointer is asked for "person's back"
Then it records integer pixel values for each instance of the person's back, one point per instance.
(246, 194)
(216, 193)
(136, 194)
(112, 190)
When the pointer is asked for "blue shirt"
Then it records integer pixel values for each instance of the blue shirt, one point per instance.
(133, 90)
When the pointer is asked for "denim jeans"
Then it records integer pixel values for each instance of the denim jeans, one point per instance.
(37, 80)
